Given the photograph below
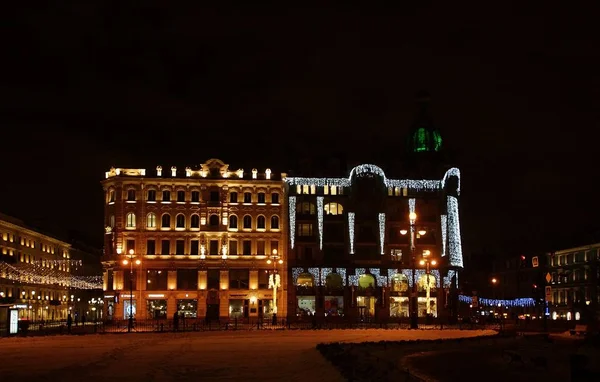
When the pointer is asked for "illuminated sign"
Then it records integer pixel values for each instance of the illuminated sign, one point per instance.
(156, 295)
(13, 322)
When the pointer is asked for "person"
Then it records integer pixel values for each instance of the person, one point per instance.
(83, 320)
(175, 321)
(69, 322)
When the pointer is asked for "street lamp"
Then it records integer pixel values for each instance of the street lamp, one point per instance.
(130, 262)
(274, 279)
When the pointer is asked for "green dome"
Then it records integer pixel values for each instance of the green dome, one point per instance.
(424, 136)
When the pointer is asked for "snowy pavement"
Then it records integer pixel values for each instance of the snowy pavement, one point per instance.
(204, 356)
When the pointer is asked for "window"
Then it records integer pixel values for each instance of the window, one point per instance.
(151, 220)
(275, 198)
(151, 247)
(306, 189)
(156, 279)
(305, 229)
(131, 195)
(130, 245)
(239, 278)
(181, 196)
(165, 247)
(260, 222)
(260, 247)
(333, 209)
(261, 198)
(179, 247)
(195, 196)
(233, 222)
(306, 208)
(274, 245)
(247, 197)
(396, 255)
(180, 221)
(111, 196)
(194, 247)
(274, 222)
(233, 247)
(214, 196)
(111, 221)
(213, 220)
(247, 222)
(263, 279)
(195, 221)
(165, 221)
(151, 197)
(166, 196)
(213, 278)
(247, 247)
(214, 247)
(130, 220)
(187, 279)
(233, 197)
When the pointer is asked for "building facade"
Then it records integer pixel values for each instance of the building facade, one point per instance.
(44, 277)
(205, 242)
(573, 283)
(360, 247)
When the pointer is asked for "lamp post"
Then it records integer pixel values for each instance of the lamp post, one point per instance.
(130, 262)
(428, 263)
(274, 279)
(414, 314)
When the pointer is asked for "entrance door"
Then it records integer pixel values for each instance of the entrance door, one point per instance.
(366, 306)
(212, 312)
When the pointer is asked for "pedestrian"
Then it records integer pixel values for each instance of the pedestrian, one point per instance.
(69, 322)
(83, 320)
(176, 321)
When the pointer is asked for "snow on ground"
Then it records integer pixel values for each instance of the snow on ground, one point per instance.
(196, 356)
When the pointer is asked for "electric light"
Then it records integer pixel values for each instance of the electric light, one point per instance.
(426, 252)
(342, 273)
(119, 251)
(403, 232)
(131, 252)
(295, 273)
(433, 262)
(494, 281)
(275, 252)
(382, 281)
(422, 262)
(269, 261)
(454, 241)
(351, 231)
(138, 262)
(292, 217)
(412, 216)
(280, 261)
(353, 279)
(315, 274)
(452, 172)
(422, 232)
(517, 302)
(444, 229)
(324, 273)
(125, 262)
(320, 220)
(381, 230)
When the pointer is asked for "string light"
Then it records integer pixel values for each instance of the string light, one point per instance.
(444, 227)
(295, 273)
(351, 231)
(454, 242)
(381, 230)
(517, 302)
(382, 281)
(320, 220)
(419, 273)
(324, 273)
(315, 274)
(353, 279)
(392, 273)
(448, 278)
(31, 273)
(342, 273)
(452, 172)
(292, 215)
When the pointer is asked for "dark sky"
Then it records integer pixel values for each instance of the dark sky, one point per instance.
(92, 84)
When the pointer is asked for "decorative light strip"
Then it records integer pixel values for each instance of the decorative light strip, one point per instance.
(342, 273)
(381, 230)
(292, 216)
(324, 273)
(454, 242)
(382, 281)
(444, 227)
(320, 220)
(452, 172)
(392, 273)
(351, 231)
(517, 302)
(315, 273)
(448, 278)
(34, 274)
(412, 202)
(295, 273)
(353, 279)
(420, 272)
(417, 185)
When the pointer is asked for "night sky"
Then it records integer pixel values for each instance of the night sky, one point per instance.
(514, 93)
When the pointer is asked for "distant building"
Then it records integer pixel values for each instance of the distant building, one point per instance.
(46, 278)
(203, 242)
(574, 277)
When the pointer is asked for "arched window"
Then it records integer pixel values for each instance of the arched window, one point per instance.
(213, 220)
(165, 221)
(111, 196)
(366, 281)
(306, 208)
(334, 281)
(274, 222)
(195, 221)
(305, 280)
(151, 220)
(130, 220)
(180, 221)
(247, 222)
(399, 283)
(333, 209)
(260, 222)
(233, 222)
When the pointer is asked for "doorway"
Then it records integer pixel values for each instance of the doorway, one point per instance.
(212, 312)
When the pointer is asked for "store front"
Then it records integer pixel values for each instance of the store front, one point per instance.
(306, 306)
(188, 308)
(157, 309)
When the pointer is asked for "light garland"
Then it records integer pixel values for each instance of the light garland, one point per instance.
(315, 274)
(454, 242)
(448, 278)
(320, 220)
(517, 302)
(416, 185)
(342, 273)
(382, 231)
(420, 272)
(412, 203)
(351, 231)
(295, 273)
(382, 281)
(452, 172)
(292, 217)
(40, 263)
(392, 273)
(353, 279)
(444, 227)
(324, 273)
(31, 273)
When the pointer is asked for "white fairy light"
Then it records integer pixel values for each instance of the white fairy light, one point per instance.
(320, 220)
(452, 172)
(382, 281)
(392, 273)
(454, 242)
(448, 278)
(292, 217)
(315, 273)
(412, 208)
(351, 231)
(444, 227)
(419, 273)
(342, 273)
(353, 279)
(324, 273)
(295, 273)
(381, 230)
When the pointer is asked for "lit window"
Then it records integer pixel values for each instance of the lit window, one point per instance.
(111, 196)
(333, 209)
(306, 208)
(130, 220)
(151, 220)
(305, 229)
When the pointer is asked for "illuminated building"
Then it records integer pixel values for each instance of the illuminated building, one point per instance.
(197, 241)
(42, 276)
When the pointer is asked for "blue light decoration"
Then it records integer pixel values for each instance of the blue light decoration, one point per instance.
(517, 302)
